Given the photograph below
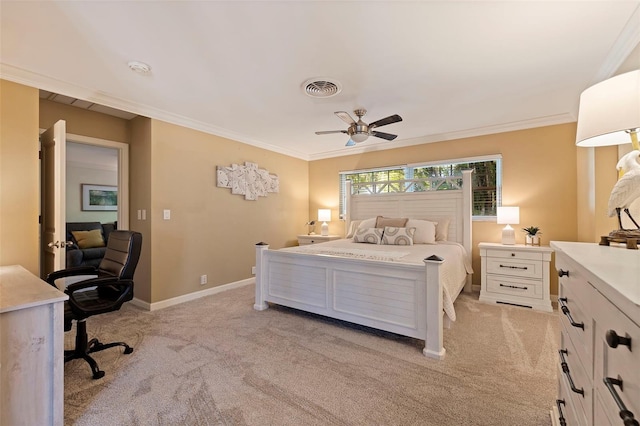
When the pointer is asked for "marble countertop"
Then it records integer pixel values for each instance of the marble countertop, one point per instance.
(20, 289)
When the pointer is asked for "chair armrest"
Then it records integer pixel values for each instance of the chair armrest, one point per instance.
(69, 272)
(121, 291)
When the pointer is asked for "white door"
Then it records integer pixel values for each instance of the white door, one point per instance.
(52, 204)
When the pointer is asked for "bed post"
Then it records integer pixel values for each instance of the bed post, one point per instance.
(433, 346)
(467, 198)
(261, 281)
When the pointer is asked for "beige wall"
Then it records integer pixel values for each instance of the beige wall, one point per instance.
(539, 175)
(19, 177)
(212, 231)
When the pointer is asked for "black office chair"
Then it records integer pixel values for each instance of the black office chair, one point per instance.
(105, 293)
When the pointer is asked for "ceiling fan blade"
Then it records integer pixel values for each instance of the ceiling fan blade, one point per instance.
(326, 132)
(388, 120)
(350, 143)
(344, 116)
(387, 136)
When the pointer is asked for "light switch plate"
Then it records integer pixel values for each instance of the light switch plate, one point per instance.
(167, 214)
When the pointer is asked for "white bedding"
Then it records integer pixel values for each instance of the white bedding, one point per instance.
(453, 271)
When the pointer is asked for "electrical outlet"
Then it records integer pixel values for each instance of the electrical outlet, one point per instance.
(253, 270)
(203, 279)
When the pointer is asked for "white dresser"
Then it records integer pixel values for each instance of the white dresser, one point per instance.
(515, 275)
(31, 349)
(599, 353)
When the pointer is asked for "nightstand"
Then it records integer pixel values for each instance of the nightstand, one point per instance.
(515, 275)
(303, 239)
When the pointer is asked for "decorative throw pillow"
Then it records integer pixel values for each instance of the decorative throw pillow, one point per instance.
(397, 222)
(425, 231)
(368, 235)
(442, 227)
(88, 239)
(398, 236)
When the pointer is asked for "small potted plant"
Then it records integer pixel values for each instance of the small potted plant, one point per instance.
(532, 235)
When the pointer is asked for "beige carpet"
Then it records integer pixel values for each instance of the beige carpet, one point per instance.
(217, 361)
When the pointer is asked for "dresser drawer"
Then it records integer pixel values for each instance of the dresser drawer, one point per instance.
(577, 323)
(515, 254)
(514, 267)
(514, 286)
(618, 363)
(581, 394)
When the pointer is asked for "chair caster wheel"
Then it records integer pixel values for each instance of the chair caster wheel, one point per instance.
(98, 375)
(128, 350)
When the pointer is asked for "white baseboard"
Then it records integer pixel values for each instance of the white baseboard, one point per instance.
(191, 296)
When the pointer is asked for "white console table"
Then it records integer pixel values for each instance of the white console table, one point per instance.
(31, 349)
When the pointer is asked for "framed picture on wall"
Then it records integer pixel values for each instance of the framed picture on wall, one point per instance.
(99, 197)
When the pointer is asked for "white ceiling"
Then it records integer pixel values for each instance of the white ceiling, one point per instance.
(236, 68)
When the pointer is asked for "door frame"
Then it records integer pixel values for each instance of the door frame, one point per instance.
(123, 172)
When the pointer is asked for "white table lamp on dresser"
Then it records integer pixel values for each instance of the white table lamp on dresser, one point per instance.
(324, 216)
(508, 216)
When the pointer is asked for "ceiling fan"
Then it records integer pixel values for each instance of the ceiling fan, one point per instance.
(359, 131)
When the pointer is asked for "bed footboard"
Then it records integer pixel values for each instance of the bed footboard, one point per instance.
(401, 299)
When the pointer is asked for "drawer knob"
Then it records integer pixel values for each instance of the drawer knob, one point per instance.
(563, 273)
(613, 340)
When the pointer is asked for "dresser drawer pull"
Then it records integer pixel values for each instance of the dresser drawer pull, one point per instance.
(565, 370)
(613, 340)
(565, 310)
(513, 286)
(524, 268)
(563, 273)
(625, 415)
(561, 418)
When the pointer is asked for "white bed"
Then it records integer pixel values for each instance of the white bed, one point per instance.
(388, 287)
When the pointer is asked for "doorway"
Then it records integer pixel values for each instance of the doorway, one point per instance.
(117, 155)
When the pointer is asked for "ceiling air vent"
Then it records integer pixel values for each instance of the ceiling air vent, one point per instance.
(321, 88)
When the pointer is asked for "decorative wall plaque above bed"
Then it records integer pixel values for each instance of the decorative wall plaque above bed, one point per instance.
(247, 180)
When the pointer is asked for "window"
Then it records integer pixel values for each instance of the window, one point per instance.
(486, 180)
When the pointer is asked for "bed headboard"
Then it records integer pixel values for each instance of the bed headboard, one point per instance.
(454, 204)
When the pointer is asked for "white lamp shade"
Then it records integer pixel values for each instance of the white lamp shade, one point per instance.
(608, 109)
(508, 215)
(359, 137)
(324, 215)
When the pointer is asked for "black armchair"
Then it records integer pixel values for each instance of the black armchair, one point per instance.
(105, 293)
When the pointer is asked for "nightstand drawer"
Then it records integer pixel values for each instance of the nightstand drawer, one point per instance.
(514, 267)
(514, 254)
(514, 286)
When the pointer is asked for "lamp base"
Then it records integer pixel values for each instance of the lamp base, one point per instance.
(324, 230)
(508, 236)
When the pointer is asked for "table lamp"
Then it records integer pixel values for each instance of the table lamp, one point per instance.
(324, 216)
(508, 216)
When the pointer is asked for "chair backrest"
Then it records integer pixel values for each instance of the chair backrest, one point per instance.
(122, 254)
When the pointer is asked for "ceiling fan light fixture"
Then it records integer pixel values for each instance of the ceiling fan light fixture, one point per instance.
(320, 87)
(359, 137)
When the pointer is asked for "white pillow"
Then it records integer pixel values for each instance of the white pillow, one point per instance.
(398, 236)
(352, 228)
(368, 223)
(368, 235)
(425, 231)
(442, 227)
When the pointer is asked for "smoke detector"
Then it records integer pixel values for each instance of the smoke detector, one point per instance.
(321, 87)
(139, 67)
